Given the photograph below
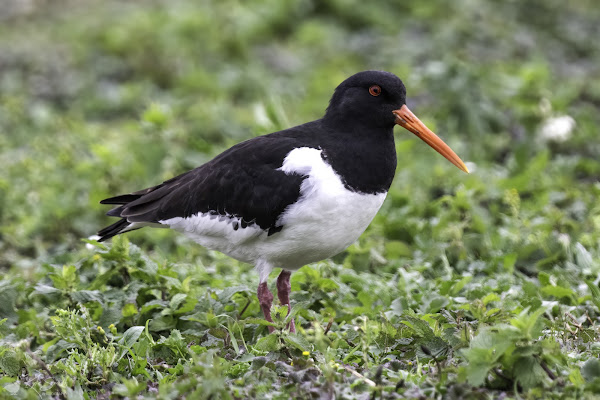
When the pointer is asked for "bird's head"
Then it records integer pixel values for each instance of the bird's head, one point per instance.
(376, 100)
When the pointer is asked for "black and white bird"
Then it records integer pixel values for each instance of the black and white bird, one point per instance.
(292, 197)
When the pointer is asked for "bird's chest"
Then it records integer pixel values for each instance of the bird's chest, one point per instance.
(330, 216)
(327, 217)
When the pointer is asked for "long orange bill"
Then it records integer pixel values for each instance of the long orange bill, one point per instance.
(406, 119)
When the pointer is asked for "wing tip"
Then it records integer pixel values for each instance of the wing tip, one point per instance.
(121, 199)
(112, 230)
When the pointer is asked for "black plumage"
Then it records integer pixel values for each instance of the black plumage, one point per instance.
(113, 230)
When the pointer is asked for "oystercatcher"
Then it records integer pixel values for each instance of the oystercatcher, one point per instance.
(292, 197)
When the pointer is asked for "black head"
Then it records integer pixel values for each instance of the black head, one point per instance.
(367, 99)
(372, 102)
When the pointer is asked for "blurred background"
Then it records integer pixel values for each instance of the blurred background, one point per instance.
(98, 98)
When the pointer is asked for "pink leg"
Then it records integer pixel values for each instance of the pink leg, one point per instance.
(283, 292)
(265, 299)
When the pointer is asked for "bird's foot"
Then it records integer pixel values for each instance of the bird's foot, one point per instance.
(283, 292)
(265, 299)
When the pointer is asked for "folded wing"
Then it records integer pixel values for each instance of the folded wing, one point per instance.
(243, 182)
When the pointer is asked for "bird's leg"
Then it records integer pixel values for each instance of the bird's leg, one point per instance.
(283, 292)
(265, 299)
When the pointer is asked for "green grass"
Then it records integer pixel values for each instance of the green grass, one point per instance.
(464, 286)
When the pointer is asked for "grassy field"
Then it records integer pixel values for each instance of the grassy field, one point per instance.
(472, 286)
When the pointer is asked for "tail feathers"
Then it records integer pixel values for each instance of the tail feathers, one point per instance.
(116, 212)
(131, 197)
(132, 210)
(122, 225)
(122, 199)
(114, 229)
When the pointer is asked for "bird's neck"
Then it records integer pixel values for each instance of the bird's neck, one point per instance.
(364, 157)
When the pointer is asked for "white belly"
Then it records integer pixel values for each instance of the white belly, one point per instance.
(326, 219)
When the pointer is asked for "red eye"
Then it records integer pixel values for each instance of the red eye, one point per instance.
(375, 90)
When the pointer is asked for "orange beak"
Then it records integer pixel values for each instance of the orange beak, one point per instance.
(406, 119)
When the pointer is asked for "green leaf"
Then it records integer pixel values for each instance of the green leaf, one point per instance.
(490, 298)
(420, 327)
(258, 362)
(175, 343)
(509, 262)
(557, 291)
(188, 305)
(65, 278)
(75, 394)
(297, 308)
(45, 289)
(544, 278)
(9, 363)
(591, 369)
(162, 323)
(130, 337)
(172, 283)
(583, 256)
(12, 388)
(595, 291)
(530, 325)
(486, 349)
(152, 304)
(85, 296)
(437, 348)
(156, 114)
(436, 304)
(8, 297)
(177, 300)
(279, 314)
(458, 286)
(54, 351)
(326, 285)
(226, 293)
(232, 338)
(496, 339)
(478, 370)
(576, 378)
(528, 372)
(397, 249)
(297, 341)
(129, 310)
(268, 343)
(258, 321)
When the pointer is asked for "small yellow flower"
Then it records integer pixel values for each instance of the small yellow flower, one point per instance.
(113, 329)
(96, 257)
(101, 330)
(409, 363)
(306, 353)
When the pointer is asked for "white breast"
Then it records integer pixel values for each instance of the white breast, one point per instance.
(326, 219)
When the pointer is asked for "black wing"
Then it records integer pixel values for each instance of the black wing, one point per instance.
(243, 182)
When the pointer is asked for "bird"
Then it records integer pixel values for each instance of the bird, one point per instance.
(293, 197)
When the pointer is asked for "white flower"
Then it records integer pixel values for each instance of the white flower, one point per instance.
(557, 129)
(90, 246)
(471, 166)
